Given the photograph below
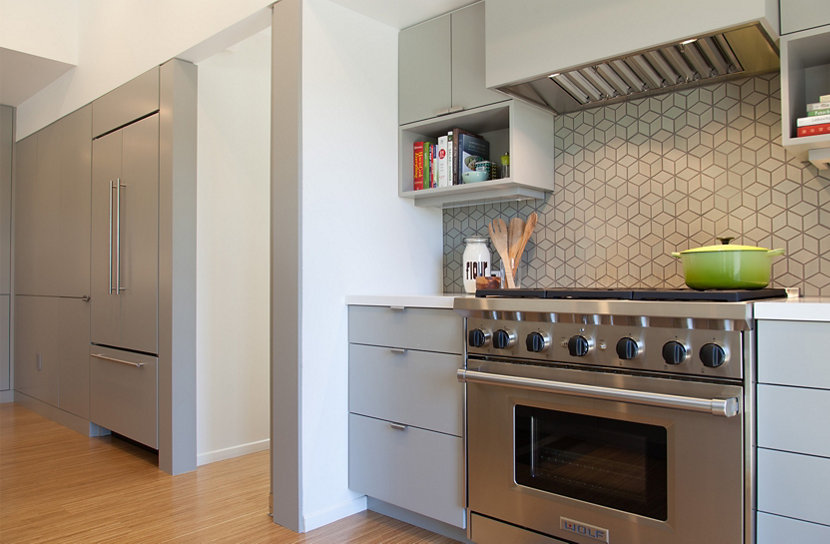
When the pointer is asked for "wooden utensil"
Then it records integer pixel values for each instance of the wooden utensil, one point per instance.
(528, 230)
(498, 235)
(516, 230)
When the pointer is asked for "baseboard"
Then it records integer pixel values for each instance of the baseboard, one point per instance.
(233, 451)
(76, 423)
(418, 520)
(341, 511)
(7, 395)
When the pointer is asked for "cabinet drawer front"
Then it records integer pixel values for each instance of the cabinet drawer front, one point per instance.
(775, 530)
(779, 363)
(789, 416)
(414, 387)
(794, 485)
(123, 395)
(419, 470)
(418, 328)
(132, 100)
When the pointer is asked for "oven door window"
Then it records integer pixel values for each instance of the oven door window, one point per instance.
(607, 462)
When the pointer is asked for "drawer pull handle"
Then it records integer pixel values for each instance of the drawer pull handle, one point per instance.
(114, 360)
(398, 426)
(398, 351)
(397, 308)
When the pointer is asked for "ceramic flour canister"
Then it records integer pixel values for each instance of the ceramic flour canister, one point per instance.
(476, 261)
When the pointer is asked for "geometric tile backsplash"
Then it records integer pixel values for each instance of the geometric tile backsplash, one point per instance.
(637, 180)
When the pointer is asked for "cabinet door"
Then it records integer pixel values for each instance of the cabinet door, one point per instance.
(424, 70)
(36, 370)
(468, 90)
(6, 145)
(4, 342)
(125, 237)
(803, 14)
(72, 345)
(73, 154)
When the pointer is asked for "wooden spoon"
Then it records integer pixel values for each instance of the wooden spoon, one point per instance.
(516, 230)
(498, 235)
(528, 230)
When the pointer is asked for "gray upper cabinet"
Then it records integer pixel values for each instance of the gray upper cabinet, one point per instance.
(133, 100)
(52, 208)
(441, 66)
(125, 231)
(799, 15)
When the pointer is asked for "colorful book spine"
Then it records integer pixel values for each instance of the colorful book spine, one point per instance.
(442, 161)
(813, 130)
(427, 164)
(824, 98)
(814, 120)
(450, 176)
(818, 106)
(815, 113)
(418, 166)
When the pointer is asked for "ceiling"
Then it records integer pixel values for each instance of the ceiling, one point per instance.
(402, 13)
(22, 75)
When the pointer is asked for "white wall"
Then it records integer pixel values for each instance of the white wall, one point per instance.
(358, 236)
(233, 191)
(118, 40)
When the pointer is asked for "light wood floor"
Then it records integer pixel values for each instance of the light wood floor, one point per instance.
(59, 486)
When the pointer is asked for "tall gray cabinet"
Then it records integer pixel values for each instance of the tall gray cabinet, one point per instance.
(51, 266)
(6, 140)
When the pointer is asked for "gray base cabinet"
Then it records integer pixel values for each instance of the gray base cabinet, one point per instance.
(123, 393)
(793, 397)
(406, 409)
(51, 351)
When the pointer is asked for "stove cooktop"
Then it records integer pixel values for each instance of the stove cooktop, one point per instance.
(713, 295)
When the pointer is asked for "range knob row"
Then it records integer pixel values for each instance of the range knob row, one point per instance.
(674, 353)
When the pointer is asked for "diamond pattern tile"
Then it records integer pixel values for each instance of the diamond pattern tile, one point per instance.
(637, 180)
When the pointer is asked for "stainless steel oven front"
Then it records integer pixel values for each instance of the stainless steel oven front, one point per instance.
(559, 451)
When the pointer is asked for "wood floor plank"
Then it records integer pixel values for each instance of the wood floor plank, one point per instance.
(57, 486)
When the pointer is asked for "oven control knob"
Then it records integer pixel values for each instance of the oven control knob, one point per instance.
(627, 348)
(674, 352)
(578, 346)
(712, 355)
(477, 338)
(537, 342)
(503, 339)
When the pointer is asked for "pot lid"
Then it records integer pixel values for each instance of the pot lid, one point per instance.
(723, 246)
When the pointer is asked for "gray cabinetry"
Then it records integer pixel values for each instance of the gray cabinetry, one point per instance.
(803, 14)
(123, 393)
(441, 66)
(52, 208)
(51, 351)
(135, 99)
(6, 144)
(125, 234)
(406, 406)
(793, 450)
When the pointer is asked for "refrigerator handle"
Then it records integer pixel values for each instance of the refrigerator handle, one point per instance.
(110, 232)
(118, 237)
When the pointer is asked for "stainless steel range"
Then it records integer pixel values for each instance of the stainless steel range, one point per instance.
(610, 416)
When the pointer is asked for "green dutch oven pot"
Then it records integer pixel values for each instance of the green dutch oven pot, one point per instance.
(726, 266)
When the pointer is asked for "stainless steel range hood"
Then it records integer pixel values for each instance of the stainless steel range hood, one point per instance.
(737, 52)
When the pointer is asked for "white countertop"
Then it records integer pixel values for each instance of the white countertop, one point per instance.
(794, 309)
(406, 301)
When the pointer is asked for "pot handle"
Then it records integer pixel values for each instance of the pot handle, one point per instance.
(775, 252)
(675, 254)
(725, 239)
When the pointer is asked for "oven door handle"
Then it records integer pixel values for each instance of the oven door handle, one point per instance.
(728, 407)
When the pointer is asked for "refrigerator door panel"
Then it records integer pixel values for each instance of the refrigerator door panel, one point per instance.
(106, 305)
(136, 272)
(125, 237)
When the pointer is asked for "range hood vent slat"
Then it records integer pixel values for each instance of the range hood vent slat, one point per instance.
(688, 63)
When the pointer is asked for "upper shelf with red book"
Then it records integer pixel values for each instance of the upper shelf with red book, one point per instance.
(520, 129)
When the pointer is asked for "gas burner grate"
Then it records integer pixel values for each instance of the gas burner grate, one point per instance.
(712, 295)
